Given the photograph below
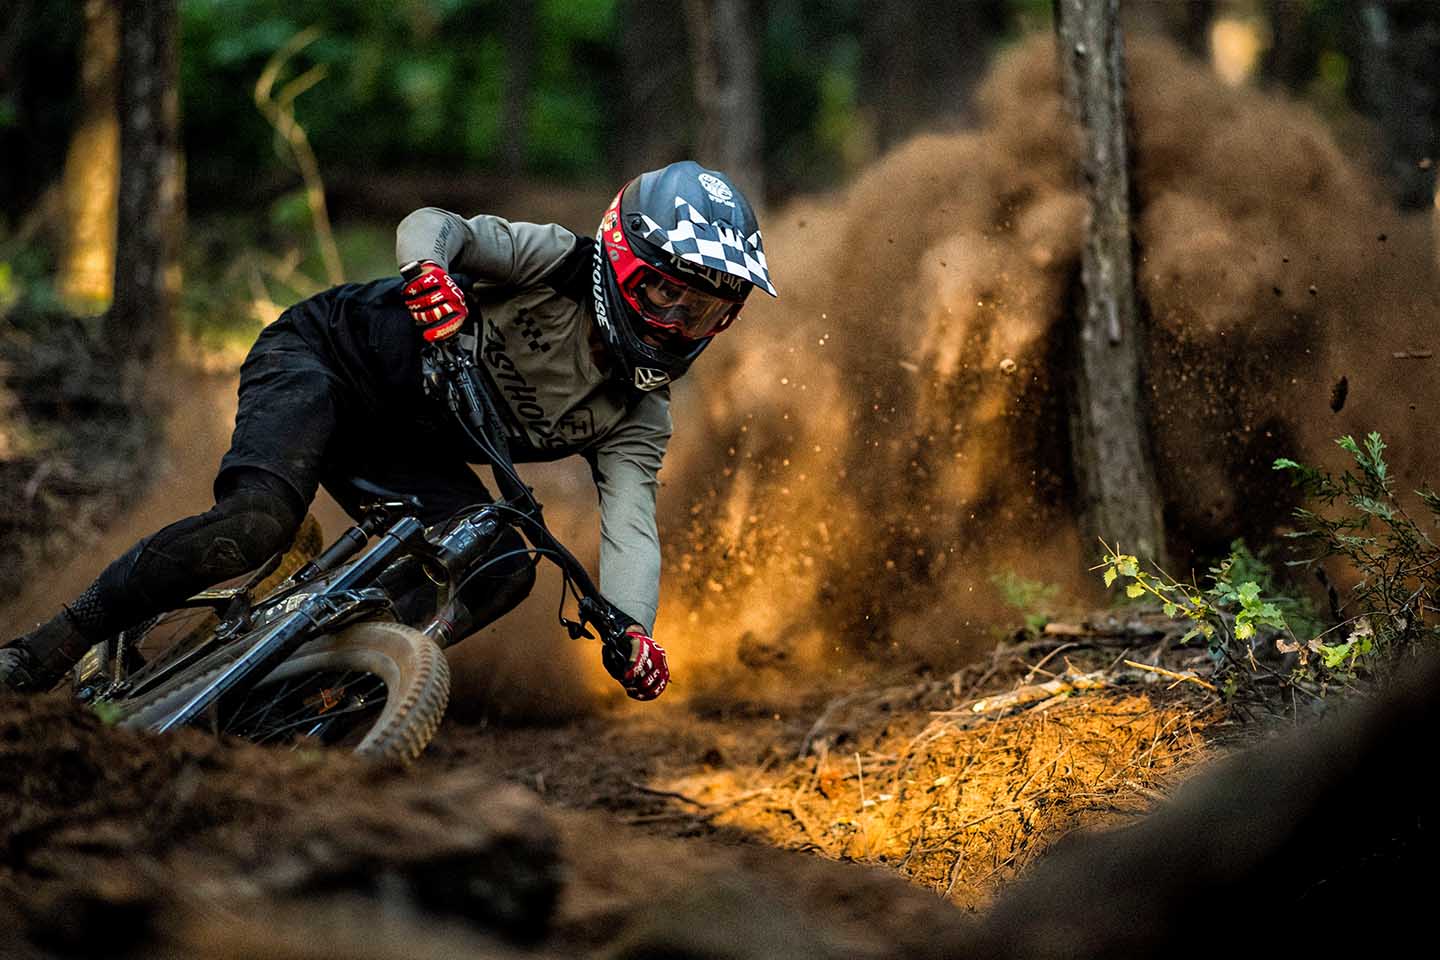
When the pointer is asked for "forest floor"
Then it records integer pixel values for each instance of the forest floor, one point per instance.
(866, 817)
(845, 823)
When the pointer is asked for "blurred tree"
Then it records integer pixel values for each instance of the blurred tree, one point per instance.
(1194, 26)
(1295, 44)
(1187, 22)
(39, 74)
(654, 127)
(921, 60)
(138, 326)
(602, 87)
(723, 41)
(520, 44)
(1119, 497)
(1395, 80)
(86, 264)
(572, 117)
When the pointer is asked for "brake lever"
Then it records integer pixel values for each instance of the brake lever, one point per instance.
(437, 364)
(606, 619)
(576, 629)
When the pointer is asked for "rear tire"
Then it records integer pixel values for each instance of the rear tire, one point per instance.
(412, 669)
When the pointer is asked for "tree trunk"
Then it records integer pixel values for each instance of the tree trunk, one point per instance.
(1118, 492)
(1289, 61)
(520, 45)
(1194, 31)
(1395, 49)
(86, 262)
(922, 61)
(727, 89)
(138, 328)
(659, 102)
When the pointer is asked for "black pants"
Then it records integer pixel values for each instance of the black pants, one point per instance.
(298, 427)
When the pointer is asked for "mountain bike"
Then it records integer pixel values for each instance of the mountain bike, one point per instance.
(318, 656)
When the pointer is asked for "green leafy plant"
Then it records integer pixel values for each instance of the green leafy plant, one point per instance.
(1225, 613)
(1032, 598)
(1357, 516)
(1360, 517)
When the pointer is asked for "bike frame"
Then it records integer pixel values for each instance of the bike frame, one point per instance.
(337, 587)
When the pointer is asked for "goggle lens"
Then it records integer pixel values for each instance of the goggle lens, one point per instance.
(676, 307)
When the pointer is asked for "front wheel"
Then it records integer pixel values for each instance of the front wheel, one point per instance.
(378, 688)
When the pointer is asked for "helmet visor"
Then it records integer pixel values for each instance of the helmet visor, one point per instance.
(677, 307)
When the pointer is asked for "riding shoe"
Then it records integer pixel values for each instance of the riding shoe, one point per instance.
(35, 662)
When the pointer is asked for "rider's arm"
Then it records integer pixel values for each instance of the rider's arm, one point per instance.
(490, 250)
(626, 464)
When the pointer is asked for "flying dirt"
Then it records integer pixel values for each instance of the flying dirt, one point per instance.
(893, 431)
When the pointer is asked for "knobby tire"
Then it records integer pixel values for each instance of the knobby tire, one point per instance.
(413, 669)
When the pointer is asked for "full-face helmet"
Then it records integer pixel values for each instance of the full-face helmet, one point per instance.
(677, 253)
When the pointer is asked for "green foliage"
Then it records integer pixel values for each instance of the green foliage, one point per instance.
(1227, 613)
(1359, 517)
(1244, 566)
(9, 289)
(1032, 598)
(27, 284)
(423, 86)
(1356, 516)
(408, 85)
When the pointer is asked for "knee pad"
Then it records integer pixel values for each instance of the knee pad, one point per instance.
(242, 531)
(248, 524)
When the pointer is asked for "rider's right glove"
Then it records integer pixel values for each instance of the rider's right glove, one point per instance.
(434, 299)
(644, 673)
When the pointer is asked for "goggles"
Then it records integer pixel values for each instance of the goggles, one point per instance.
(677, 307)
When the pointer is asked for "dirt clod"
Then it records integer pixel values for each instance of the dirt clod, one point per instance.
(103, 821)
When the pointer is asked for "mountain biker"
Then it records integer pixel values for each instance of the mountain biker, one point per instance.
(578, 341)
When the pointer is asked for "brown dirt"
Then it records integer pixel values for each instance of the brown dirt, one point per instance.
(859, 456)
(901, 773)
(145, 844)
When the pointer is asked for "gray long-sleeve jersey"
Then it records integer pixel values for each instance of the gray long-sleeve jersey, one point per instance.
(530, 284)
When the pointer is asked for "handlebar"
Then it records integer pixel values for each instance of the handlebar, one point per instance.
(450, 371)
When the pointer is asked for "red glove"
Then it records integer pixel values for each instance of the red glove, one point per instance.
(647, 673)
(434, 299)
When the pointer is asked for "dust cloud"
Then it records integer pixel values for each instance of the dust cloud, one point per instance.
(856, 460)
(853, 462)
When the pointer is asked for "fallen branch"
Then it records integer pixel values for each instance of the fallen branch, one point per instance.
(1031, 693)
(1177, 677)
(1131, 630)
(669, 794)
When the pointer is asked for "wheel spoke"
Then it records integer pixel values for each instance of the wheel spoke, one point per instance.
(281, 712)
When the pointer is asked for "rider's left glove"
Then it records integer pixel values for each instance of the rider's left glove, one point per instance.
(645, 673)
(434, 300)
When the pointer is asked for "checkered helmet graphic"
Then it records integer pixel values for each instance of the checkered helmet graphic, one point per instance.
(677, 253)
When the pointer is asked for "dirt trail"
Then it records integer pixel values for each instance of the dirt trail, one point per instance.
(158, 845)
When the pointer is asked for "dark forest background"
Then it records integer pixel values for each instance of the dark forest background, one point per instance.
(595, 89)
